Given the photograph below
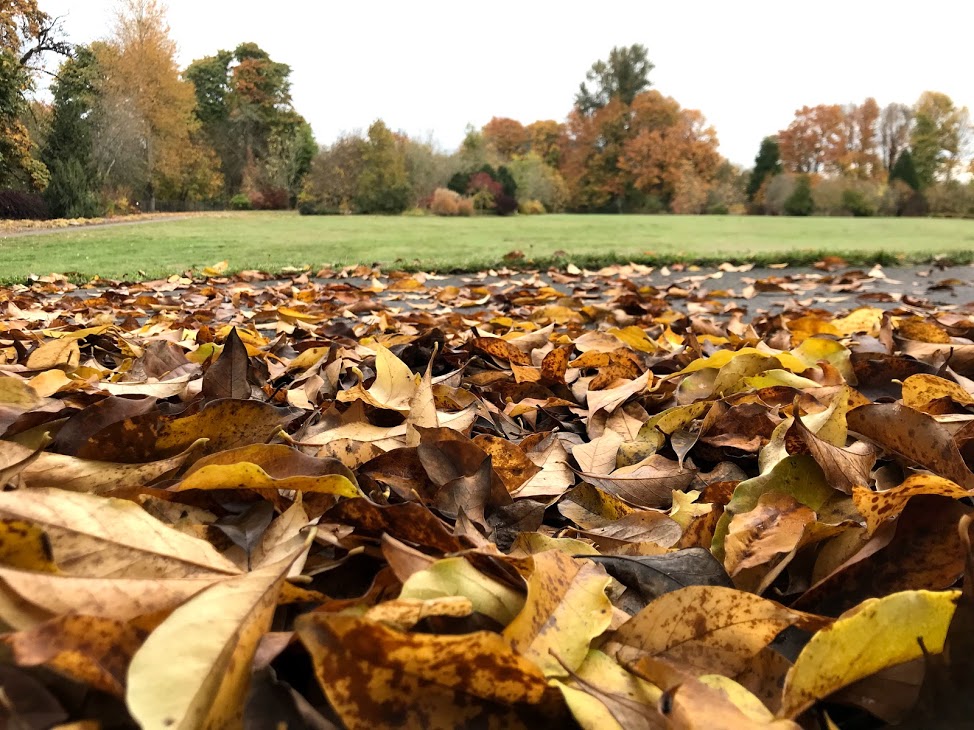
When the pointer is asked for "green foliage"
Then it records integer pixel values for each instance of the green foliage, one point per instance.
(766, 164)
(333, 182)
(459, 183)
(857, 203)
(905, 170)
(68, 150)
(70, 193)
(383, 186)
(538, 181)
(18, 167)
(240, 201)
(623, 75)
(507, 181)
(243, 101)
(800, 202)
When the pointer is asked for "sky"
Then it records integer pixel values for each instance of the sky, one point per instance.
(431, 68)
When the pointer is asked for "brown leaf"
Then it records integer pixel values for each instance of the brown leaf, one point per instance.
(913, 435)
(228, 376)
(375, 677)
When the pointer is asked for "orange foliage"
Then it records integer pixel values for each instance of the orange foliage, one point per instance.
(816, 141)
(507, 136)
(547, 138)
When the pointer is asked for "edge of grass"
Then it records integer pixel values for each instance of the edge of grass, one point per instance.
(803, 257)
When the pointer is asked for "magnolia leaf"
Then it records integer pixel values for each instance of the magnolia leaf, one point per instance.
(880, 633)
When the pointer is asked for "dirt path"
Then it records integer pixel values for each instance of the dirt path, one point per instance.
(134, 220)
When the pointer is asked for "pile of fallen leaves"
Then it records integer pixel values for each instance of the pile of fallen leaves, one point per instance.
(247, 503)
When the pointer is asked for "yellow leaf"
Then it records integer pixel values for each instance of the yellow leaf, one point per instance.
(193, 671)
(244, 475)
(919, 390)
(99, 537)
(393, 388)
(565, 609)
(453, 577)
(707, 629)
(877, 634)
(55, 353)
(601, 682)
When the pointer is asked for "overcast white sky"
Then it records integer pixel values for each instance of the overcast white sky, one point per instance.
(430, 68)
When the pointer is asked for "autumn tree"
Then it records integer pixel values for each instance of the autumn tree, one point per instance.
(508, 137)
(895, 121)
(766, 164)
(816, 140)
(383, 185)
(27, 35)
(591, 159)
(862, 158)
(141, 71)
(623, 75)
(243, 101)
(546, 139)
(667, 145)
(938, 137)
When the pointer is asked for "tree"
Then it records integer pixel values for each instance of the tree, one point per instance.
(383, 186)
(26, 35)
(623, 75)
(508, 137)
(800, 202)
(243, 101)
(69, 148)
(141, 71)
(332, 184)
(895, 121)
(938, 138)
(816, 141)
(546, 139)
(862, 159)
(905, 170)
(766, 164)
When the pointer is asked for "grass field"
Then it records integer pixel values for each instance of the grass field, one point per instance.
(274, 241)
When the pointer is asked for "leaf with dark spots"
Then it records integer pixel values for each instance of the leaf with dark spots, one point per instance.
(914, 436)
(227, 424)
(376, 678)
(228, 377)
(82, 426)
(410, 522)
(648, 577)
(844, 468)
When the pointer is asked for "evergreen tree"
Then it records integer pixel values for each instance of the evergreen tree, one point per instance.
(800, 202)
(623, 76)
(766, 164)
(383, 186)
(905, 170)
(68, 148)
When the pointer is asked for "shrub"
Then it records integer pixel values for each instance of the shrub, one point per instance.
(532, 207)
(15, 205)
(240, 201)
(70, 194)
(445, 202)
(916, 206)
(800, 202)
(459, 183)
(465, 207)
(857, 203)
(774, 192)
(414, 212)
(506, 180)
(505, 204)
(950, 199)
(270, 199)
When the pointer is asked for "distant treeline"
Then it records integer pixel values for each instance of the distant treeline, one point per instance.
(127, 129)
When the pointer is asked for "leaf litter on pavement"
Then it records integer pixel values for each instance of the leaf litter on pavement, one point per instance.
(563, 500)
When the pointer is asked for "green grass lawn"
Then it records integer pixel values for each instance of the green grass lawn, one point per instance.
(274, 241)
